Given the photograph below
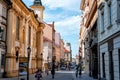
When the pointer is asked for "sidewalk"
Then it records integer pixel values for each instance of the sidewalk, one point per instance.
(31, 77)
(84, 76)
(20, 78)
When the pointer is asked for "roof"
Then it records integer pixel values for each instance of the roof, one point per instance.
(66, 51)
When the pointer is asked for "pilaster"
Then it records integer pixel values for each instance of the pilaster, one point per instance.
(39, 45)
(10, 66)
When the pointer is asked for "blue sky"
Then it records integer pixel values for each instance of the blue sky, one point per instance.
(66, 15)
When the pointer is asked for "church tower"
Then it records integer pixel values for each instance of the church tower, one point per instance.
(38, 8)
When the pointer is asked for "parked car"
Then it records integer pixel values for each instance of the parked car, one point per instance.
(22, 72)
(72, 66)
(63, 67)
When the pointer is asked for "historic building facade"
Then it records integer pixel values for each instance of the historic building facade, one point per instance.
(57, 47)
(47, 53)
(109, 39)
(89, 37)
(4, 6)
(23, 30)
(62, 50)
(69, 52)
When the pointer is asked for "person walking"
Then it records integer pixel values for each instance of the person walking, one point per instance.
(80, 69)
(53, 69)
(38, 74)
(47, 71)
(76, 73)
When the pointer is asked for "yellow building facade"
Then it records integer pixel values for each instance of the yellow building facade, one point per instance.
(23, 30)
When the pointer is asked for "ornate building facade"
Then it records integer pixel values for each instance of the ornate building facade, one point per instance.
(89, 37)
(4, 6)
(47, 55)
(109, 39)
(24, 30)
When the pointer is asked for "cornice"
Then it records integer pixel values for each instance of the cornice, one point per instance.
(91, 15)
(101, 6)
(82, 4)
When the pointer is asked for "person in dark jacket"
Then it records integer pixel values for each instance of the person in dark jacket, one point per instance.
(53, 69)
(80, 69)
(38, 74)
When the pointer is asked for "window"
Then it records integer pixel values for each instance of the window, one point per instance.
(29, 33)
(23, 36)
(118, 11)
(17, 55)
(103, 64)
(111, 67)
(102, 21)
(109, 14)
(4, 11)
(17, 27)
(119, 61)
(2, 59)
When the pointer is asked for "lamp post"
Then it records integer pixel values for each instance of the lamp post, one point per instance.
(29, 50)
(41, 60)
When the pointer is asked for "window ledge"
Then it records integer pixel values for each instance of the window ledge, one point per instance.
(109, 26)
(102, 32)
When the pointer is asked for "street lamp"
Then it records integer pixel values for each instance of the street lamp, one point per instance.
(41, 60)
(28, 50)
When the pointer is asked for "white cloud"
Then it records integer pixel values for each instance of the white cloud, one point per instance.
(72, 5)
(68, 26)
(65, 4)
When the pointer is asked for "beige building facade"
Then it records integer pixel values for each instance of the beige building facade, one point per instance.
(57, 46)
(88, 36)
(47, 53)
(4, 5)
(23, 31)
(62, 50)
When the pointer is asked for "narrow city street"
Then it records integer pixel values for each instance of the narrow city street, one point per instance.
(67, 75)
(59, 75)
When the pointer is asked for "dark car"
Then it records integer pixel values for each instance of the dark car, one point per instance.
(63, 67)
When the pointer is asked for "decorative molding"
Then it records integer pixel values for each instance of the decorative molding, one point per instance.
(109, 26)
(101, 6)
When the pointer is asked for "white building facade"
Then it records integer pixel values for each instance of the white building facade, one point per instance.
(109, 39)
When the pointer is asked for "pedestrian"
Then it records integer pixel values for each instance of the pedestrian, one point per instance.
(53, 69)
(80, 69)
(77, 71)
(47, 71)
(69, 66)
(38, 74)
